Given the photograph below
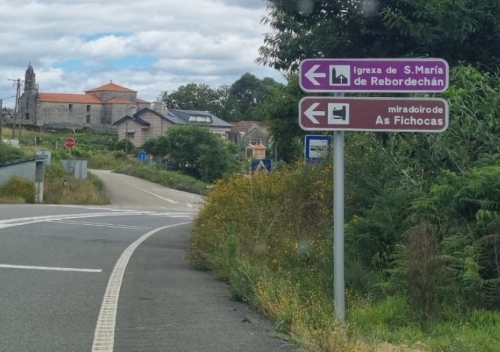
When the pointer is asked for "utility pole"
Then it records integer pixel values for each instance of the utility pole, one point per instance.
(126, 138)
(17, 84)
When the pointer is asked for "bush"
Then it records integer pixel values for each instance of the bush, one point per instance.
(165, 178)
(8, 152)
(124, 145)
(17, 187)
(89, 191)
(270, 238)
(110, 160)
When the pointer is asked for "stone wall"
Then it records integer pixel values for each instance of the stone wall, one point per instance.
(108, 95)
(118, 111)
(140, 132)
(72, 113)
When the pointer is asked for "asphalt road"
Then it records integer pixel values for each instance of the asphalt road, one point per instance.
(127, 191)
(113, 279)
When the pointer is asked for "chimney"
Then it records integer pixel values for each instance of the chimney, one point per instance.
(159, 107)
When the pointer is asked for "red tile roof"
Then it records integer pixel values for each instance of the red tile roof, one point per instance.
(142, 101)
(258, 147)
(69, 98)
(111, 87)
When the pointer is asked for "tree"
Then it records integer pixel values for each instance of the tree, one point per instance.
(196, 151)
(280, 111)
(249, 91)
(8, 152)
(202, 97)
(456, 30)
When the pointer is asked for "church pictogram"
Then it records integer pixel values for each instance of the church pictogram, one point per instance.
(340, 75)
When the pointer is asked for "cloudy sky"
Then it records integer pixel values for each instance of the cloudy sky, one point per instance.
(150, 45)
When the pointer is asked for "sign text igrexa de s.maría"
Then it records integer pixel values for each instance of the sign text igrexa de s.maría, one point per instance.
(374, 75)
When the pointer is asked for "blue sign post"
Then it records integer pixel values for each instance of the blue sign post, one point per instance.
(142, 155)
(316, 147)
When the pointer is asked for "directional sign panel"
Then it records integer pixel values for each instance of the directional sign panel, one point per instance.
(373, 114)
(316, 146)
(374, 75)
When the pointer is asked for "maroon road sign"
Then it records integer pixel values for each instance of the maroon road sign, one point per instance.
(69, 142)
(374, 75)
(373, 114)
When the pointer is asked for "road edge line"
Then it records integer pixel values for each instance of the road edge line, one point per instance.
(104, 335)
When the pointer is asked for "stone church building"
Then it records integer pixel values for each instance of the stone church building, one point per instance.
(103, 105)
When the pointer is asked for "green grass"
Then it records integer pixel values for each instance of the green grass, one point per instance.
(170, 179)
(90, 191)
(393, 320)
(86, 140)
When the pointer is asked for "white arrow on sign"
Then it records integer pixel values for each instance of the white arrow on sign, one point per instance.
(312, 75)
(311, 113)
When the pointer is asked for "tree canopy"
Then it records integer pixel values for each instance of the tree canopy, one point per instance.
(455, 30)
(231, 103)
(196, 151)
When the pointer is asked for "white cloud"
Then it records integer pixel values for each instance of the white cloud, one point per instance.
(201, 41)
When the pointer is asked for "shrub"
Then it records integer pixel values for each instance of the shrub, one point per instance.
(165, 178)
(89, 191)
(8, 152)
(17, 187)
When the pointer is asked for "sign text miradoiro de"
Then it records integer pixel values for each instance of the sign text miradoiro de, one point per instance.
(374, 75)
(373, 114)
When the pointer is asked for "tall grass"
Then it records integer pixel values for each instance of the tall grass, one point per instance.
(90, 191)
(270, 238)
(171, 179)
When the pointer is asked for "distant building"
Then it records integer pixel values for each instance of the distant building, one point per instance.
(145, 124)
(103, 105)
(246, 133)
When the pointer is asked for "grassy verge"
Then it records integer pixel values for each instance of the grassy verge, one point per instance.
(11, 200)
(81, 192)
(110, 161)
(269, 237)
(165, 178)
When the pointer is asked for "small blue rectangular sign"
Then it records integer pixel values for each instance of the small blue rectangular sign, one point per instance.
(316, 147)
(142, 155)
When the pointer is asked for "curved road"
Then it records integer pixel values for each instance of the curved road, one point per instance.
(113, 278)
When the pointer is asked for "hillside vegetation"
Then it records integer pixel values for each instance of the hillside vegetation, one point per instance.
(422, 235)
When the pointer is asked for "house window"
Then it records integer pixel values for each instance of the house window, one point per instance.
(200, 119)
(88, 108)
(130, 135)
(70, 107)
(87, 119)
(27, 116)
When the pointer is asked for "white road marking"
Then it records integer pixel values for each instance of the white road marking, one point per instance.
(99, 224)
(28, 267)
(104, 336)
(153, 194)
(38, 219)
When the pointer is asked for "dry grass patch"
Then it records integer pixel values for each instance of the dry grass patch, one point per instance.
(11, 200)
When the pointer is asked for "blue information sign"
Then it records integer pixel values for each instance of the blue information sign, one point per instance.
(316, 147)
(142, 155)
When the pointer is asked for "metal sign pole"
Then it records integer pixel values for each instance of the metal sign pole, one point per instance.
(68, 172)
(338, 224)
